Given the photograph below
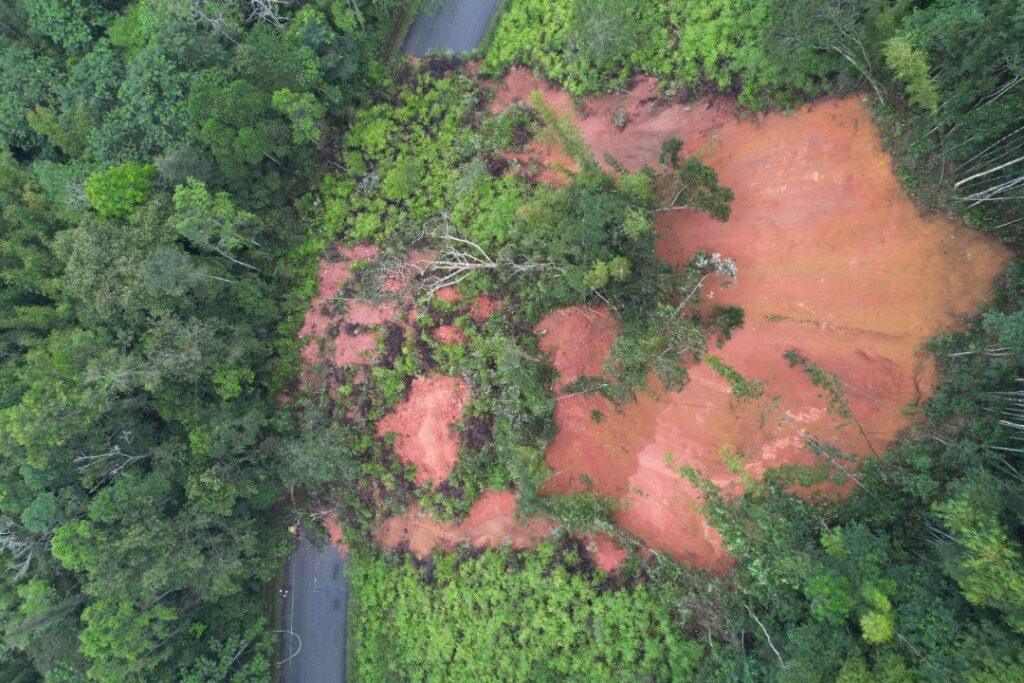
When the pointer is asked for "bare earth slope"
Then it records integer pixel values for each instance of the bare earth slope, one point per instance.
(834, 262)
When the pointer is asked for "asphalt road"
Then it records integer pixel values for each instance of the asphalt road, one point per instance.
(315, 615)
(458, 25)
(316, 605)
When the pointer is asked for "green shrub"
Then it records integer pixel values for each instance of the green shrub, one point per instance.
(119, 189)
(502, 615)
(588, 47)
(741, 387)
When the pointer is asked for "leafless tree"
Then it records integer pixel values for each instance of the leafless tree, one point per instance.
(109, 464)
(23, 551)
(213, 14)
(75, 197)
(318, 515)
(459, 258)
(767, 637)
(106, 466)
(1000, 191)
(267, 12)
(719, 265)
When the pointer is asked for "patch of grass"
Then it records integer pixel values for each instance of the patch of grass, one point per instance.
(741, 387)
(541, 615)
(822, 379)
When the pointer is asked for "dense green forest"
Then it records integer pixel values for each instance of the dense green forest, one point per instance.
(173, 169)
(157, 159)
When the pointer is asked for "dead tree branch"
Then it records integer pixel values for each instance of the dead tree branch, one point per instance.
(459, 258)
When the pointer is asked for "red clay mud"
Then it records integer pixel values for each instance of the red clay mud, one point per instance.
(491, 523)
(423, 426)
(351, 346)
(606, 552)
(834, 261)
(484, 307)
(334, 532)
(648, 123)
(343, 327)
(578, 340)
(449, 294)
(449, 334)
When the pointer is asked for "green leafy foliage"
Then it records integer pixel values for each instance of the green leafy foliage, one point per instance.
(590, 47)
(405, 163)
(738, 384)
(823, 379)
(466, 618)
(694, 185)
(69, 23)
(303, 111)
(27, 83)
(115, 192)
(723, 320)
(145, 344)
(235, 120)
(959, 64)
(950, 94)
(911, 67)
(917, 573)
(140, 353)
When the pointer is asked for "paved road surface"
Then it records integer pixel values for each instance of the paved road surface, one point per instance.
(316, 611)
(316, 607)
(459, 25)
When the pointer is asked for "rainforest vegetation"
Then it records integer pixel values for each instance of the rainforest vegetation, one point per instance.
(172, 170)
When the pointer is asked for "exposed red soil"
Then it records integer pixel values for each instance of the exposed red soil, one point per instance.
(449, 294)
(491, 522)
(834, 261)
(648, 124)
(370, 314)
(334, 532)
(449, 334)
(484, 307)
(606, 552)
(343, 326)
(545, 162)
(423, 426)
(352, 345)
(578, 340)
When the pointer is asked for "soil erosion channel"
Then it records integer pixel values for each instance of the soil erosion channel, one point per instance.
(834, 262)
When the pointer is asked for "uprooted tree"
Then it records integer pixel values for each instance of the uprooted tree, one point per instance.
(690, 184)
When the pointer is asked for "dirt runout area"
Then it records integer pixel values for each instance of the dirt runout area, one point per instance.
(562, 331)
(606, 553)
(834, 262)
(423, 425)
(332, 525)
(343, 327)
(491, 522)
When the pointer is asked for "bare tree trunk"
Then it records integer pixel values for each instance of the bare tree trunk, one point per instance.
(459, 258)
(231, 258)
(987, 172)
(267, 12)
